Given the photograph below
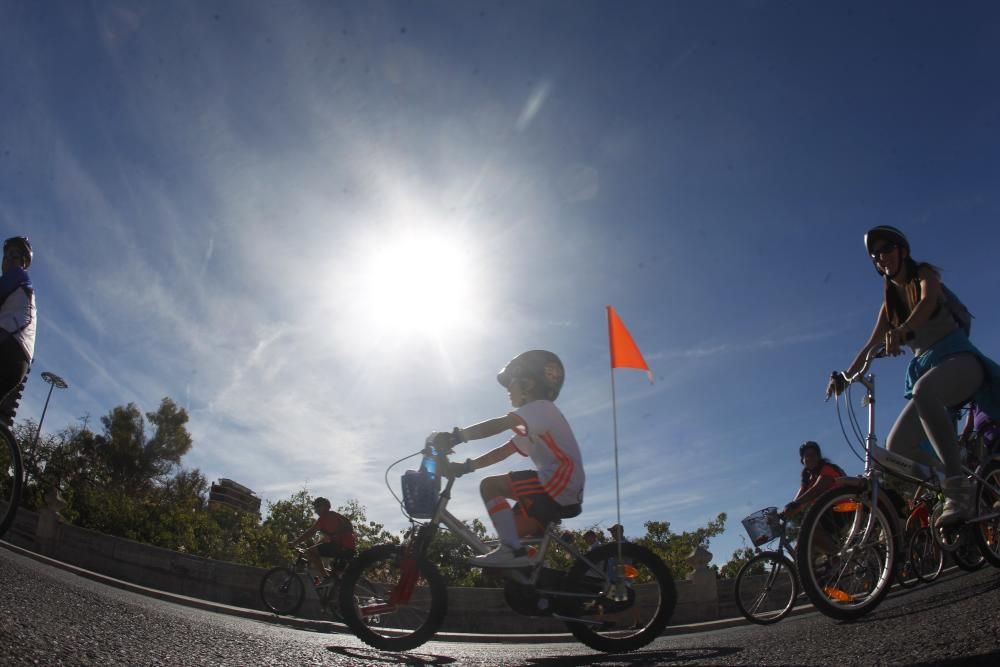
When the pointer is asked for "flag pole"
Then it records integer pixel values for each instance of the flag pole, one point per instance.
(614, 422)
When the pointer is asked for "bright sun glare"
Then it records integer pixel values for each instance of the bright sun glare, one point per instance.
(420, 285)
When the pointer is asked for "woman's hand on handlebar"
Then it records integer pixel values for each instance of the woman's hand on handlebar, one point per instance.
(838, 383)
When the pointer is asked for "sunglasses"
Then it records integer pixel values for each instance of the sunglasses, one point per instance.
(883, 250)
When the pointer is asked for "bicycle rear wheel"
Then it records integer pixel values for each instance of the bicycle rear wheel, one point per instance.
(11, 479)
(390, 602)
(282, 590)
(845, 574)
(968, 556)
(987, 502)
(925, 555)
(614, 626)
(766, 588)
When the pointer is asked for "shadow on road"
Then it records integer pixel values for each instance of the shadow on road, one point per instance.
(369, 656)
(694, 655)
(927, 604)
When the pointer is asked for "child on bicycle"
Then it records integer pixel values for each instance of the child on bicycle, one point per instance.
(554, 490)
(337, 539)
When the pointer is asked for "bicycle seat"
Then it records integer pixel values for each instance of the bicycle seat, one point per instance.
(570, 511)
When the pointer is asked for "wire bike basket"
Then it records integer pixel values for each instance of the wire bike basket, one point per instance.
(763, 526)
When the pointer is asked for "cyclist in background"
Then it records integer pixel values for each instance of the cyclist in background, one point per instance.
(17, 314)
(978, 422)
(337, 539)
(818, 475)
(554, 489)
(946, 370)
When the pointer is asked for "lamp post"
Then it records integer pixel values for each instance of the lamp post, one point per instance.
(54, 381)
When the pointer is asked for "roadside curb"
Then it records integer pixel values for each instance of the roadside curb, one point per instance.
(330, 626)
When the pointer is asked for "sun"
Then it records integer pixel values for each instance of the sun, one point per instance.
(422, 284)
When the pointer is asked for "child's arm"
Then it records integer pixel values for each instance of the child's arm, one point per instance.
(488, 428)
(494, 456)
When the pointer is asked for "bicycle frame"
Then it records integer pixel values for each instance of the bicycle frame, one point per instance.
(420, 538)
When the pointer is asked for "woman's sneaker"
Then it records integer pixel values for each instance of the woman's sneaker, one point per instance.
(957, 501)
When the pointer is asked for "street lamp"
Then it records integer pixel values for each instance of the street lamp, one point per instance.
(54, 381)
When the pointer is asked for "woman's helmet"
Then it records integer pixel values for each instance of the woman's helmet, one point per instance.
(810, 444)
(541, 366)
(21, 243)
(884, 233)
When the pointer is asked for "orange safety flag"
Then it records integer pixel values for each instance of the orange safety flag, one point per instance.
(624, 352)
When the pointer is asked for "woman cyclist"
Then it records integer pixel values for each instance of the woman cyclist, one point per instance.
(946, 370)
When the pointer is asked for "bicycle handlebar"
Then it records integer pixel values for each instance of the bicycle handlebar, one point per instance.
(839, 380)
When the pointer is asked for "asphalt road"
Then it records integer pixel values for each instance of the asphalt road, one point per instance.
(52, 617)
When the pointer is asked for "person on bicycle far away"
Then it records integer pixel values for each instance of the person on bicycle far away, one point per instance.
(818, 476)
(554, 490)
(946, 370)
(17, 314)
(337, 538)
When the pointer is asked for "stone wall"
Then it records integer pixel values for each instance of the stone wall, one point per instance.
(479, 610)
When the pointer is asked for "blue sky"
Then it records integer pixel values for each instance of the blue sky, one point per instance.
(322, 227)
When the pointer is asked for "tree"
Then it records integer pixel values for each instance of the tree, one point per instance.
(132, 462)
(736, 561)
(675, 548)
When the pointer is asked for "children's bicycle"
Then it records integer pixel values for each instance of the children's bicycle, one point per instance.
(922, 558)
(616, 597)
(767, 585)
(852, 537)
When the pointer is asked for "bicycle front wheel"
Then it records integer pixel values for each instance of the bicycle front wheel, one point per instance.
(925, 555)
(282, 590)
(624, 615)
(845, 573)
(390, 601)
(766, 588)
(988, 503)
(11, 478)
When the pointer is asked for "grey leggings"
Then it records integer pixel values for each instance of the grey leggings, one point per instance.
(947, 385)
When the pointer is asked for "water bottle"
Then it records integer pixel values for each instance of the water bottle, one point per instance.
(429, 463)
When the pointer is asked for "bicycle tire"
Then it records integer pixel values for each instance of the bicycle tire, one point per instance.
(368, 585)
(766, 588)
(925, 554)
(282, 590)
(988, 532)
(647, 610)
(11, 479)
(853, 580)
(968, 556)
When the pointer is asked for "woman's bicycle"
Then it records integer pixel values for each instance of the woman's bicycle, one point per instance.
(767, 584)
(851, 538)
(615, 597)
(283, 588)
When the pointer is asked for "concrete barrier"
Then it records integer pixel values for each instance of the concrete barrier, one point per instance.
(474, 610)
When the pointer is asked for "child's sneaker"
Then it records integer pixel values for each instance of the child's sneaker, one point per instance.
(502, 556)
